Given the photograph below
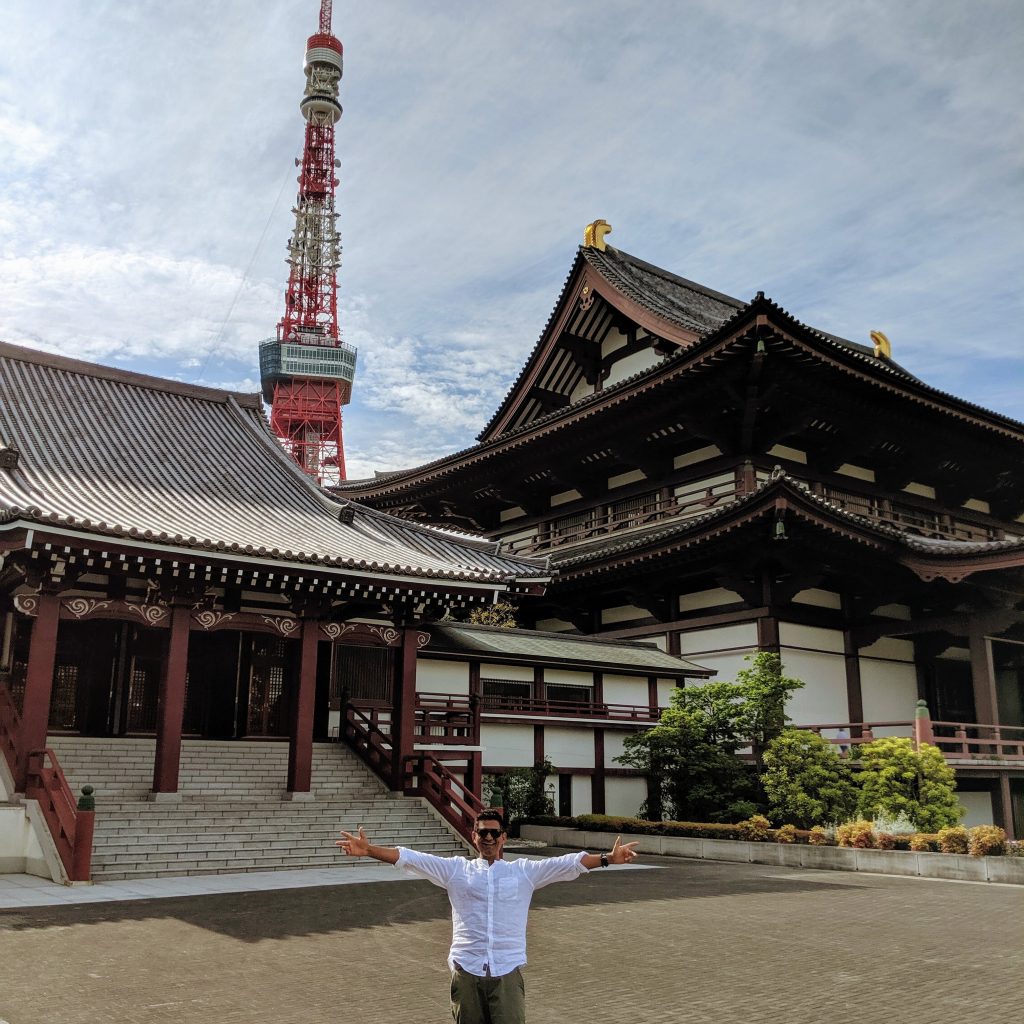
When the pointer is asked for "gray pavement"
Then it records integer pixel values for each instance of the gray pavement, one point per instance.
(693, 941)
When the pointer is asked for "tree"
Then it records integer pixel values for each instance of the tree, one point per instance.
(805, 780)
(897, 779)
(690, 755)
(500, 614)
(522, 793)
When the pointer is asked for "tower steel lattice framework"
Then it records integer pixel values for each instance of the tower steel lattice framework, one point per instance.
(307, 370)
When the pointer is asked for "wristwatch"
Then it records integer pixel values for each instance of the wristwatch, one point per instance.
(604, 860)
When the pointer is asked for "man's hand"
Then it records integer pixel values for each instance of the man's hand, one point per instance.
(355, 846)
(622, 853)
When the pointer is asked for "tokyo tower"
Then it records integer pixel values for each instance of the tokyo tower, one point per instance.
(306, 372)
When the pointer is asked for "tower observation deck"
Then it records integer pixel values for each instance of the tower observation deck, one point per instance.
(307, 371)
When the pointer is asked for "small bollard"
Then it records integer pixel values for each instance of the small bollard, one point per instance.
(87, 802)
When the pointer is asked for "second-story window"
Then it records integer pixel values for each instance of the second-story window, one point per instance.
(506, 693)
(569, 693)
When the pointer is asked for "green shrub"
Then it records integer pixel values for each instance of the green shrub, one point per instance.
(986, 841)
(953, 839)
(756, 829)
(785, 834)
(805, 779)
(858, 834)
(819, 836)
(896, 778)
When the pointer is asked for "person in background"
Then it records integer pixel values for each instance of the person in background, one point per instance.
(490, 900)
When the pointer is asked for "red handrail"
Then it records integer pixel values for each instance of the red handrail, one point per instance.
(430, 778)
(500, 704)
(72, 829)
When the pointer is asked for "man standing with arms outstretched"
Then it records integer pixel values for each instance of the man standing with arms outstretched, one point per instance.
(490, 900)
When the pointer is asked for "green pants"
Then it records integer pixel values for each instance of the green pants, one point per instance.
(488, 1000)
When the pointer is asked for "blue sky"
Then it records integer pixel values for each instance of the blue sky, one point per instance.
(860, 162)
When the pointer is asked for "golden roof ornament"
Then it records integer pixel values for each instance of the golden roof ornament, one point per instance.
(593, 234)
(883, 347)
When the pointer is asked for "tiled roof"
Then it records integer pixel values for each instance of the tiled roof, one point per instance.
(111, 453)
(559, 648)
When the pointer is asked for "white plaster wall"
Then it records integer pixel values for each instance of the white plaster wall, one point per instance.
(889, 648)
(631, 364)
(726, 666)
(634, 476)
(582, 794)
(741, 637)
(569, 748)
(510, 745)
(813, 638)
(625, 689)
(823, 698)
(622, 613)
(665, 688)
(566, 677)
(895, 611)
(707, 599)
(555, 626)
(20, 852)
(614, 744)
(698, 455)
(818, 598)
(624, 796)
(523, 673)
(442, 676)
(979, 809)
(889, 691)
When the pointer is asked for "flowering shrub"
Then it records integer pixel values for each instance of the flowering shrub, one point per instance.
(755, 829)
(786, 834)
(858, 834)
(885, 840)
(924, 842)
(1014, 848)
(818, 836)
(953, 839)
(986, 841)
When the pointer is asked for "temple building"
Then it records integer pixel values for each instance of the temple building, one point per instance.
(715, 477)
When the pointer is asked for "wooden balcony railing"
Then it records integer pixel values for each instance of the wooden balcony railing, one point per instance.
(514, 705)
(430, 778)
(447, 720)
(984, 742)
(651, 508)
(71, 827)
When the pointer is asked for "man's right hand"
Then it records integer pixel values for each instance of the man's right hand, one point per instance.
(355, 846)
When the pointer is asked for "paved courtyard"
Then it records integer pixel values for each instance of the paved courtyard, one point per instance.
(683, 941)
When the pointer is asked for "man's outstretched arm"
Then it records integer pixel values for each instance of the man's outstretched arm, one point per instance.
(359, 846)
(620, 854)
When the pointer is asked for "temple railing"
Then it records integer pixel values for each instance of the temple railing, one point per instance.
(979, 742)
(71, 827)
(512, 704)
(444, 720)
(430, 778)
(370, 737)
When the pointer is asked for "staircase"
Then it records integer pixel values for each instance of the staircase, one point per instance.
(231, 816)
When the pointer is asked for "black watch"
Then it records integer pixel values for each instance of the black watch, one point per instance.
(604, 860)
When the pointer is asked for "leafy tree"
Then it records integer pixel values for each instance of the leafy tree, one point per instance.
(805, 780)
(501, 614)
(522, 792)
(895, 778)
(690, 755)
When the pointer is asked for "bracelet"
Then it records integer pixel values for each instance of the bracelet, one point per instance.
(604, 860)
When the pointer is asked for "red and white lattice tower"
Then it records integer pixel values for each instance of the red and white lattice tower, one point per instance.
(307, 371)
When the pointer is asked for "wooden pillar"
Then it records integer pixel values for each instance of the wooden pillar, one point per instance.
(403, 712)
(42, 655)
(598, 687)
(597, 802)
(474, 774)
(1003, 806)
(300, 738)
(851, 658)
(171, 704)
(986, 706)
(538, 745)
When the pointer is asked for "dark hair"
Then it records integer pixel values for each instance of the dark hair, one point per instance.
(489, 814)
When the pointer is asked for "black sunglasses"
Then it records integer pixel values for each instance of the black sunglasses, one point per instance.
(489, 833)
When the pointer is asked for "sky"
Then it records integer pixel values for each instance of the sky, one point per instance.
(859, 162)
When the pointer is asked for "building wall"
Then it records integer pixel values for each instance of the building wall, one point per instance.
(436, 676)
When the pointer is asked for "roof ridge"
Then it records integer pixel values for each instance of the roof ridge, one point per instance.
(23, 354)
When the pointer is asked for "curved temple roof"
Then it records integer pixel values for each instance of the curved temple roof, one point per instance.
(106, 452)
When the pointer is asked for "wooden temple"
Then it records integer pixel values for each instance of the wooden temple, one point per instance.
(716, 477)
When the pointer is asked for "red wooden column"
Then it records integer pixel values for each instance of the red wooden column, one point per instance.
(42, 655)
(986, 705)
(403, 713)
(597, 784)
(171, 706)
(300, 740)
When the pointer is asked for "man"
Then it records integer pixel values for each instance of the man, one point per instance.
(490, 899)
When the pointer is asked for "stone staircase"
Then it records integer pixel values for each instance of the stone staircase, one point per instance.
(231, 816)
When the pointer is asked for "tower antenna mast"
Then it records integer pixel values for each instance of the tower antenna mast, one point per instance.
(307, 370)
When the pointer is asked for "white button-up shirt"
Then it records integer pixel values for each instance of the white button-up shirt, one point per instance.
(489, 904)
